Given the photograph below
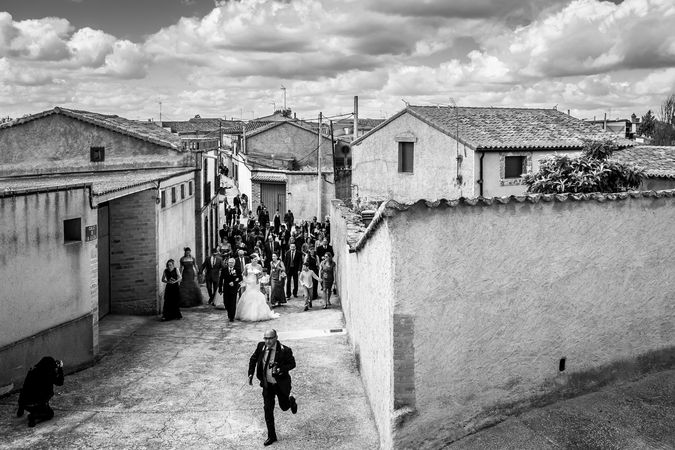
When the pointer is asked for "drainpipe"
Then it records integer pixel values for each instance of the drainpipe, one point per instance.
(480, 174)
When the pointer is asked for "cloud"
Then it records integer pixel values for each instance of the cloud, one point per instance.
(127, 60)
(90, 47)
(36, 39)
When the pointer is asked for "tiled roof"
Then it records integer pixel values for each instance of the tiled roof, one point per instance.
(363, 123)
(657, 161)
(359, 236)
(100, 182)
(269, 177)
(507, 128)
(196, 125)
(146, 131)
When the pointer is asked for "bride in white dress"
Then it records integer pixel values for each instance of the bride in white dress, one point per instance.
(252, 306)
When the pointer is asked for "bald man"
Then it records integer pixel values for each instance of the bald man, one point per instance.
(272, 363)
(228, 285)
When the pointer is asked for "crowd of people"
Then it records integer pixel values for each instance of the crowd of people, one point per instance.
(259, 264)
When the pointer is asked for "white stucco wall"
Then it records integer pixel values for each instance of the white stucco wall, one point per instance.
(492, 186)
(175, 227)
(244, 183)
(302, 196)
(375, 165)
(501, 293)
(45, 282)
(364, 281)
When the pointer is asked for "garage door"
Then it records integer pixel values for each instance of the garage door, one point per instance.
(273, 195)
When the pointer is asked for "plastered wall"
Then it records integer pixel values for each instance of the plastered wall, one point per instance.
(499, 294)
(375, 165)
(364, 281)
(34, 260)
(303, 196)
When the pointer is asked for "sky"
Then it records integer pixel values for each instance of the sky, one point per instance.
(231, 58)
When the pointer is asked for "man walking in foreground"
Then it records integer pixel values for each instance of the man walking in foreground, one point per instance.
(272, 363)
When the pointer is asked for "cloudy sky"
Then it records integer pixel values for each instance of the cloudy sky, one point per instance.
(230, 58)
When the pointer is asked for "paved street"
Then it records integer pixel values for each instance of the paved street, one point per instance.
(183, 384)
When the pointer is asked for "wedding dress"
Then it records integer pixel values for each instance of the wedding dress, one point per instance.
(252, 306)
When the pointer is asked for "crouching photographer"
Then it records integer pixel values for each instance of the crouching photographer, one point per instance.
(38, 389)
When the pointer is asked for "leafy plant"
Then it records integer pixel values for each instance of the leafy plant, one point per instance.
(592, 171)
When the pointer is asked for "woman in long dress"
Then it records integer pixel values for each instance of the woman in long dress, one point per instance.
(252, 306)
(190, 293)
(327, 272)
(171, 309)
(277, 275)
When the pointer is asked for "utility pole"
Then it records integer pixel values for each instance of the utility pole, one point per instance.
(160, 112)
(356, 117)
(283, 88)
(318, 173)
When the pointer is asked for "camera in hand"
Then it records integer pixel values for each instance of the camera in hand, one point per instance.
(275, 369)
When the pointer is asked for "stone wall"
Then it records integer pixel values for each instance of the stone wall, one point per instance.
(49, 288)
(502, 293)
(364, 281)
(133, 254)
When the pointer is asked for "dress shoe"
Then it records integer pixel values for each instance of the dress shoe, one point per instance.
(306, 307)
(270, 441)
(31, 420)
(294, 405)
(19, 412)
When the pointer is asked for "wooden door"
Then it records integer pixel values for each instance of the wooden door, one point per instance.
(273, 195)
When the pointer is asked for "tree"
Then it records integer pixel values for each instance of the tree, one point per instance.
(668, 110)
(647, 122)
(593, 171)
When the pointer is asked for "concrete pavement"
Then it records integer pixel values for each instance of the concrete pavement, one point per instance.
(183, 384)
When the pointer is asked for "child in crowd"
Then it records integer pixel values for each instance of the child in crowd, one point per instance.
(307, 278)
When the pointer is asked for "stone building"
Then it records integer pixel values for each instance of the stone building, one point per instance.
(91, 207)
(443, 152)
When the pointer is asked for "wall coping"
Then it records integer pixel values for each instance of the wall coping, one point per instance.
(359, 236)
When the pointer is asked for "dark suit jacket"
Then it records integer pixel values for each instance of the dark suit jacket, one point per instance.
(237, 264)
(321, 251)
(284, 360)
(212, 271)
(226, 278)
(297, 261)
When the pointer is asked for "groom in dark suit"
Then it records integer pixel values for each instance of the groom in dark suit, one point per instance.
(293, 265)
(228, 285)
(272, 363)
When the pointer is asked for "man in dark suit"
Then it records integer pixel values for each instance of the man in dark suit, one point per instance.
(324, 248)
(277, 222)
(293, 264)
(272, 363)
(212, 266)
(228, 285)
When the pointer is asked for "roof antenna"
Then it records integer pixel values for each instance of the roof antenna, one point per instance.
(406, 103)
(555, 108)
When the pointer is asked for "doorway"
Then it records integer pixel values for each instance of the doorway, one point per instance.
(103, 260)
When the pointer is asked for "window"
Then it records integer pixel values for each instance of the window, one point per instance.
(173, 195)
(97, 154)
(514, 166)
(190, 188)
(406, 152)
(182, 191)
(163, 197)
(72, 230)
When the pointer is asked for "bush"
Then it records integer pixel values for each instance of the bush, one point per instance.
(593, 171)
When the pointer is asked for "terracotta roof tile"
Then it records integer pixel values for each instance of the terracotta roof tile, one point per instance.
(657, 161)
(358, 235)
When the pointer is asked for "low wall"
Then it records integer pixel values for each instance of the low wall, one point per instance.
(494, 297)
(364, 281)
(72, 342)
